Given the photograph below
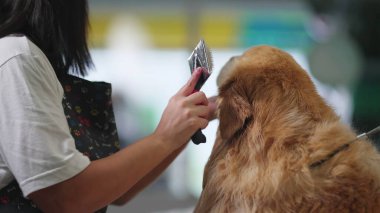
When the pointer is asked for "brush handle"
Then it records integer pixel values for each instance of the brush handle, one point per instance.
(198, 137)
(202, 79)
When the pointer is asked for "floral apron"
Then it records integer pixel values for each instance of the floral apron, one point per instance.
(88, 109)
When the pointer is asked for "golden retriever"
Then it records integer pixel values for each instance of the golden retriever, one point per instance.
(281, 148)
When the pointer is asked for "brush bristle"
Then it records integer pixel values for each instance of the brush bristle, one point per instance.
(210, 59)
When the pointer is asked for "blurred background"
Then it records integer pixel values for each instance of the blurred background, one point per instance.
(141, 47)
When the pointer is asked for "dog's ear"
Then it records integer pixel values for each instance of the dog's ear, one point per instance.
(234, 107)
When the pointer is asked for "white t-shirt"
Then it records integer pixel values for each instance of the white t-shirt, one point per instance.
(36, 147)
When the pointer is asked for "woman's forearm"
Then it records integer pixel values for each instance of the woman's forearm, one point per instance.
(104, 180)
(148, 179)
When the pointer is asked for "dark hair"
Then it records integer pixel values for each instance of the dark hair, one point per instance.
(57, 27)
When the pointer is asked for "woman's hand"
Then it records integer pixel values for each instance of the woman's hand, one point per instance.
(186, 112)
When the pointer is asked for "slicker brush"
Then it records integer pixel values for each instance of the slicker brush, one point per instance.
(200, 57)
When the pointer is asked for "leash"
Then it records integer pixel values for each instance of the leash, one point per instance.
(344, 147)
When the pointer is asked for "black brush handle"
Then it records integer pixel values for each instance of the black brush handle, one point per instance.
(198, 137)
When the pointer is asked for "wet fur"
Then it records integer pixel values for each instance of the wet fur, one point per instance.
(273, 126)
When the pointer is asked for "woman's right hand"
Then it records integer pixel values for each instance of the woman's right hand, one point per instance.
(186, 112)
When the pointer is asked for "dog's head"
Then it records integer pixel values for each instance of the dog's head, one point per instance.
(262, 82)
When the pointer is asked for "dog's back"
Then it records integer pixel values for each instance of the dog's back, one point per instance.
(281, 148)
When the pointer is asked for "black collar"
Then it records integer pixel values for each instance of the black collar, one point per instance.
(344, 147)
(332, 154)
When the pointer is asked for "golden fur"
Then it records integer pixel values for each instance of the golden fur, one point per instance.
(273, 126)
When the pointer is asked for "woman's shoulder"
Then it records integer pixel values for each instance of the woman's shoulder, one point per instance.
(15, 45)
(21, 58)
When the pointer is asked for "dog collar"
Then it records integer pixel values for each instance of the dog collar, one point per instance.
(344, 147)
(331, 155)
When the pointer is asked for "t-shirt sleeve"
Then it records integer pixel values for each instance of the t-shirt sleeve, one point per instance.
(35, 143)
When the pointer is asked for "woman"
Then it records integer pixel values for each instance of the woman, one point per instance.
(40, 41)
